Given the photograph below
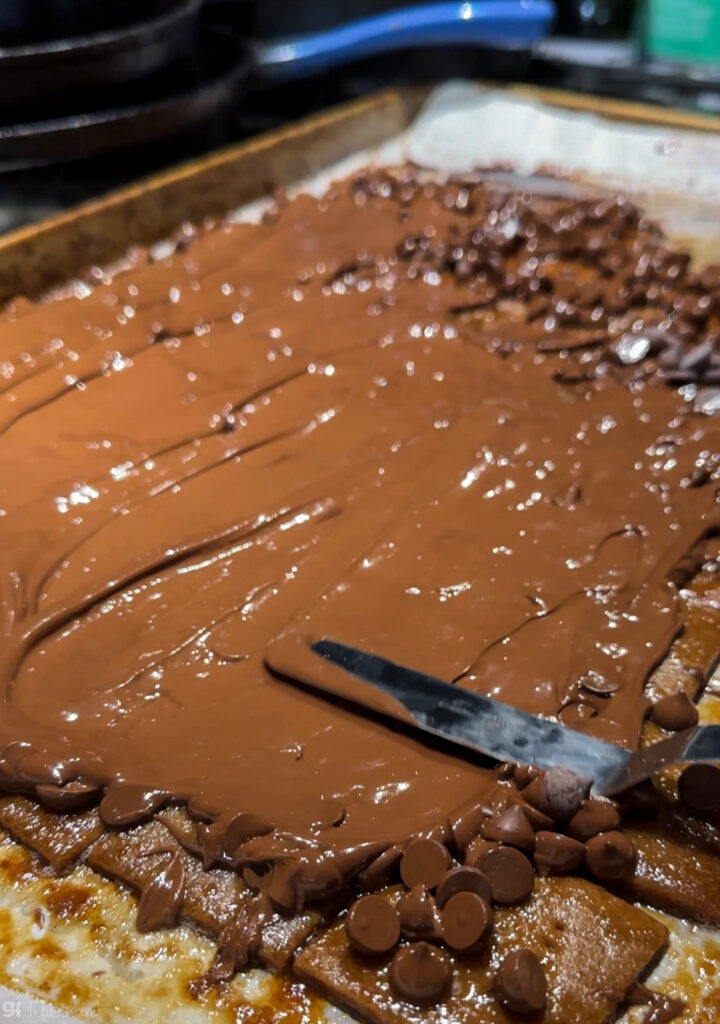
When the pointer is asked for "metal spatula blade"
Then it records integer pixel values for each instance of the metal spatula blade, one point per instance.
(508, 734)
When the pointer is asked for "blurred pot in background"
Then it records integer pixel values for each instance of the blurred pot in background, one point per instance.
(25, 22)
(596, 19)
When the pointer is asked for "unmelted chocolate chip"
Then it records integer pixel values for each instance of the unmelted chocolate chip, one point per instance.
(373, 926)
(476, 849)
(642, 799)
(512, 827)
(540, 821)
(593, 817)
(467, 826)
(698, 477)
(556, 854)
(598, 684)
(462, 879)
(536, 794)
(380, 871)
(609, 855)
(559, 793)
(699, 788)
(521, 982)
(418, 912)
(424, 862)
(565, 790)
(466, 921)
(420, 974)
(509, 872)
(675, 712)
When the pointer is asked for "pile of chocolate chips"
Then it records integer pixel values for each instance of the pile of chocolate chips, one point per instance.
(625, 302)
(451, 906)
(555, 821)
(544, 823)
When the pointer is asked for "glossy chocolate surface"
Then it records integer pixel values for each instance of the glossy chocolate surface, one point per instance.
(441, 423)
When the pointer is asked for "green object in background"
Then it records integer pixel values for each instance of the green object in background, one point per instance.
(682, 31)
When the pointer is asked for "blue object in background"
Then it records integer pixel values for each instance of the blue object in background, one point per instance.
(515, 24)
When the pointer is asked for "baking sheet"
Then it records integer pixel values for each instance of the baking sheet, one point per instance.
(464, 128)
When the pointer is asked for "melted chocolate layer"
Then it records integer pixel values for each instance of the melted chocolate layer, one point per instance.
(406, 417)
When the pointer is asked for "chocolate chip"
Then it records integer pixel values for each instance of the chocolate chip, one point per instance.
(642, 799)
(598, 684)
(594, 816)
(521, 982)
(707, 401)
(509, 872)
(699, 787)
(556, 854)
(467, 826)
(420, 974)
(476, 849)
(418, 912)
(424, 862)
(373, 926)
(558, 793)
(565, 791)
(463, 879)
(675, 712)
(609, 855)
(540, 821)
(380, 871)
(466, 921)
(536, 794)
(512, 827)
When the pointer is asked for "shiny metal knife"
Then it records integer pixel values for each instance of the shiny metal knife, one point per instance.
(508, 734)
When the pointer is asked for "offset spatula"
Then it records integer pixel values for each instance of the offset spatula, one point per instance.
(507, 734)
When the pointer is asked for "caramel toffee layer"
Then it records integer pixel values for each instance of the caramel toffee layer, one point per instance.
(468, 430)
